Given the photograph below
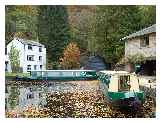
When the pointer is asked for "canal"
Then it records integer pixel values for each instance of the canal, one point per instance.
(59, 99)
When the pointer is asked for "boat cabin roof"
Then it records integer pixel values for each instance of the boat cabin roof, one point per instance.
(114, 72)
(61, 70)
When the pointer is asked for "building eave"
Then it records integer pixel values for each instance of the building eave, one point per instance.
(149, 30)
(33, 43)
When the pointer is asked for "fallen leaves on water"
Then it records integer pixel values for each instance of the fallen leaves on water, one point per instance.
(88, 102)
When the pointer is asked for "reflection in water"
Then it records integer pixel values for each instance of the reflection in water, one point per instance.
(64, 99)
(13, 94)
(20, 96)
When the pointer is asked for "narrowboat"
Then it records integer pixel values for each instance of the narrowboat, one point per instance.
(63, 75)
(121, 89)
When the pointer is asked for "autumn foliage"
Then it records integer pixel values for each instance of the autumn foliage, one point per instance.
(71, 57)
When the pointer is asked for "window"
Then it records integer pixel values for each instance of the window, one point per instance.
(5, 51)
(35, 67)
(28, 67)
(6, 65)
(40, 66)
(40, 49)
(124, 83)
(107, 77)
(144, 41)
(40, 58)
(30, 57)
(29, 47)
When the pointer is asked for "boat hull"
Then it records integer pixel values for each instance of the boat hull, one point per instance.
(129, 103)
(129, 99)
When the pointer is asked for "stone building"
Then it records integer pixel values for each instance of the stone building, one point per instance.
(142, 43)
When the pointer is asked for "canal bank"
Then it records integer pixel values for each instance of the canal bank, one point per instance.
(148, 85)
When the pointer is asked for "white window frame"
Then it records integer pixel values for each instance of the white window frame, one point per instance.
(30, 56)
(40, 66)
(29, 45)
(28, 67)
(35, 67)
(40, 58)
(40, 49)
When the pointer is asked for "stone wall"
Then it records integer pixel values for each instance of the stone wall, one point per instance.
(151, 92)
(132, 46)
(149, 88)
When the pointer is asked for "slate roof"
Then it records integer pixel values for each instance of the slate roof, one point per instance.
(144, 31)
(31, 42)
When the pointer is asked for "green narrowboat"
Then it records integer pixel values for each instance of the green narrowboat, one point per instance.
(63, 75)
(121, 89)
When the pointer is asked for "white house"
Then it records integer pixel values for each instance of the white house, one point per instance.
(32, 55)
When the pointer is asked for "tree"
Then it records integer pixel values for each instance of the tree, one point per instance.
(148, 15)
(53, 30)
(114, 23)
(14, 59)
(71, 57)
(82, 26)
(21, 21)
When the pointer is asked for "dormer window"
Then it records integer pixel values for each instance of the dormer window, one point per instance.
(29, 47)
(40, 49)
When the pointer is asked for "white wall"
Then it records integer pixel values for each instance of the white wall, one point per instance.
(113, 85)
(36, 53)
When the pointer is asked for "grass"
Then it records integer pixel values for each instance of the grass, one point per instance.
(10, 74)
